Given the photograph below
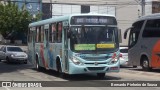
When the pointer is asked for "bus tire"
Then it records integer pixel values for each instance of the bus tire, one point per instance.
(59, 69)
(134, 66)
(38, 67)
(100, 75)
(145, 64)
(7, 59)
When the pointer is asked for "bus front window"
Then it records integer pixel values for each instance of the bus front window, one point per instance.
(85, 39)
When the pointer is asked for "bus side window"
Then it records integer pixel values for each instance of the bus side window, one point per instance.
(59, 36)
(37, 34)
(53, 32)
(50, 33)
(152, 29)
(29, 36)
(42, 33)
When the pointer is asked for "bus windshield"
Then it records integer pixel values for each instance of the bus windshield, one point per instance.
(93, 39)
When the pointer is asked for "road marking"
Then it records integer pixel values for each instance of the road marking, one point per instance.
(7, 88)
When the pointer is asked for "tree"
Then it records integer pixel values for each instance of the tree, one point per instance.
(13, 19)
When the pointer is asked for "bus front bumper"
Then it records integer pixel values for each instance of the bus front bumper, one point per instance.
(82, 69)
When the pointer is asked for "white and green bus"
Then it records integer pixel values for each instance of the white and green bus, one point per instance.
(75, 44)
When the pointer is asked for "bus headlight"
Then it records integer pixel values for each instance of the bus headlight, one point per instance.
(75, 61)
(115, 58)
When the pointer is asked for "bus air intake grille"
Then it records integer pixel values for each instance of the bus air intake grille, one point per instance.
(97, 63)
(96, 58)
(95, 68)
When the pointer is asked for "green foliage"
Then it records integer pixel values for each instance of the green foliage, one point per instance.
(13, 19)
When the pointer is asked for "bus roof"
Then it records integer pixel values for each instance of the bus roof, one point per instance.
(50, 20)
(152, 16)
(63, 18)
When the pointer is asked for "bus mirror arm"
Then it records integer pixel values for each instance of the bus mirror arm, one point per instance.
(126, 31)
(125, 35)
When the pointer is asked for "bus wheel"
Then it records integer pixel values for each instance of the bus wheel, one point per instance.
(100, 75)
(37, 65)
(59, 70)
(134, 66)
(145, 64)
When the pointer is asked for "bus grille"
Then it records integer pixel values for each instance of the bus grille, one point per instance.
(95, 68)
(97, 63)
(96, 58)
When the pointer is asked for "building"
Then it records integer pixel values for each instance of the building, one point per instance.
(126, 11)
(152, 6)
(33, 6)
(59, 8)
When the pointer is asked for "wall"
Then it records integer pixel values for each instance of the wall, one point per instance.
(126, 15)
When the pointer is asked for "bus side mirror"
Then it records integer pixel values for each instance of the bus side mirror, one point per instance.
(69, 34)
(125, 35)
(119, 36)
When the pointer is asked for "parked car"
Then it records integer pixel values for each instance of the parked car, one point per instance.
(124, 56)
(13, 54)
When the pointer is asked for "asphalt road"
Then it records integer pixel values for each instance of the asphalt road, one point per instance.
(26, 72)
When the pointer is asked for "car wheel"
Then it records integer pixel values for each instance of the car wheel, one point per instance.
(100, 75)
(25, 62)
(145, 64)
(7, 59)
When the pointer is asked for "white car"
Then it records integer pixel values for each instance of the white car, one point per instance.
(124, 56)
(13, 54)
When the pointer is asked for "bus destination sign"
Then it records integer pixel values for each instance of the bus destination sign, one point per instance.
(93, 20)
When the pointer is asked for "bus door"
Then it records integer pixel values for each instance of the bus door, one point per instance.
(32, 47)
(65, 46)
(46, 45)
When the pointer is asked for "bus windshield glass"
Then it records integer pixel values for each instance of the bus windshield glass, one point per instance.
(96, 39)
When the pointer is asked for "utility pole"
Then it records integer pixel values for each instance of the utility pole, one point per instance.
(51, 8)
(143, 7)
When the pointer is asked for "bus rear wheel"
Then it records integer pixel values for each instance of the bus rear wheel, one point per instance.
(134, 66)
(145, 64)
(38, 67)
(100, 75)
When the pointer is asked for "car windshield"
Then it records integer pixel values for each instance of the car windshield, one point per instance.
(93, 39)
(14, 49)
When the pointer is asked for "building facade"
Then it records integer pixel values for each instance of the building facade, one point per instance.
(33, 6)
(126, 11)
